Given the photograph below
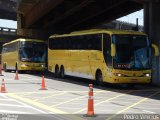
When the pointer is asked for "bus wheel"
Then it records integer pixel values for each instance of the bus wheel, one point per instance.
(5, 67)
(62, 75)
(56, 71)
(99, 79)
(16, 67)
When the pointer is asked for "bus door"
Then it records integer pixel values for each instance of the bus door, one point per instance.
(107, 50)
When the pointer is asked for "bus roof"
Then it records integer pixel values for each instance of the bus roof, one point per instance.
(23, 39)
(93, 31)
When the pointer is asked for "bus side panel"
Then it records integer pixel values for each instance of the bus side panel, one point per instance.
(58, 57)
(62, 58)
(50, 60)
(79, 62)
(10, 59)
(11, 62)
(75, 62)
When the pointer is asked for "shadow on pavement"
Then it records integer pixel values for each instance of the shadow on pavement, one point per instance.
(144, 90)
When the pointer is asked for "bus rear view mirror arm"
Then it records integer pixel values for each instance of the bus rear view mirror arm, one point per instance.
(113, 50)
(156, 50)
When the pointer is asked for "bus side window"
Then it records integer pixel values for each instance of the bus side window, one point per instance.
(13, 47)
(74, 43)
(94, 42)
(67, 43)
(98, 43)
(9, 48)
(4, 49)
(81, 45)
(51, 43)
(90, 42)
(107, 49)
(63, 43)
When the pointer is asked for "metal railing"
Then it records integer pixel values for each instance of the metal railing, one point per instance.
(8, 31)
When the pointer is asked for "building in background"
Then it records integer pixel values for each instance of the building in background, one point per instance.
(120, 25)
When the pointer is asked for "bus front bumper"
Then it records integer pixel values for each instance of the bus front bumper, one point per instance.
(25, 68)
(140, 80)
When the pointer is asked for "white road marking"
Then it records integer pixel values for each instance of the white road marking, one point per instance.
(20, 102)
(2, 95)
(149, 111)
(30, 107)
(11, 105)
(148, 108)
(5, 99)
(14, 112)
(25, 105)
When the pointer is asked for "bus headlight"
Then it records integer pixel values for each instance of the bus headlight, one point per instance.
(23, 65)
(119, 75)
(147, 74)
(42, 66)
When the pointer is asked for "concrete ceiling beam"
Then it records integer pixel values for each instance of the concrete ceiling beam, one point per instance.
(145, 1)
(40, 10)
(67, 13)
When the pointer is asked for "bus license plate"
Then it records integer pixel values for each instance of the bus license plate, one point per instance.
(33, 68)
(134, 80)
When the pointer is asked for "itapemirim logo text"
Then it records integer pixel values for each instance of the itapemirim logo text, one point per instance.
(9, 117)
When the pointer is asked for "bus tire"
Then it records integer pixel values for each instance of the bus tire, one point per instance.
(99, 78)
(16, 67)
(5, 68)
(62, 74)
(56, 71)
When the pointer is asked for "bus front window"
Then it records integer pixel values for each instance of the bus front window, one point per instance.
(26, 54)
(39, 52)
(33, 52)
(132, 52)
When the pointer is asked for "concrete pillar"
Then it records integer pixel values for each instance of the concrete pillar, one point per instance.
(29, 32)
(152, 28)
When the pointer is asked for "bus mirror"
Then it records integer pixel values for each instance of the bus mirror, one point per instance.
(156, 50)
(113, 50)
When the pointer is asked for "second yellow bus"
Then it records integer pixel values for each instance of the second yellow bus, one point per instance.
(111, 56)
(24, 55)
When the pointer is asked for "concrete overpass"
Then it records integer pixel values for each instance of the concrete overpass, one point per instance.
(8, 9)
(40, 18)
(69, 15)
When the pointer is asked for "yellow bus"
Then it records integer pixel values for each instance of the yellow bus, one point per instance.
(24, 55)
(111, 56)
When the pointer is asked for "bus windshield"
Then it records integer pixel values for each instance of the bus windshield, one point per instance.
(132, 52)
(33, 52)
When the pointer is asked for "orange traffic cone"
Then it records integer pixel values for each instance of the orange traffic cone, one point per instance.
(90, 111)
(3, 89)
(43, 86)
(16, 77)
(1, 70)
